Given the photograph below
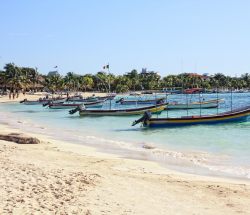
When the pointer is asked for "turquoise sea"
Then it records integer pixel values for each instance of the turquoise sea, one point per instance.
(221, 150)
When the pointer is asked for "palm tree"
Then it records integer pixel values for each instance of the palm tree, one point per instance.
(14, 77)
(70, 81)
(54, 83)
(102, 80)
(86, 82)
(3, 81)
(135, 79)
(122, 84)
(246, 78)
(34, 77)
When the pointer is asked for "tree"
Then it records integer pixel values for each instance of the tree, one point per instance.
(135, 79)
(71, 81)
(122, 84)
(3, 81)
(14, 77)
(150, 80)
(86, 82)
(102, 81)
(246, 78)
(54, 83)
(221, 79)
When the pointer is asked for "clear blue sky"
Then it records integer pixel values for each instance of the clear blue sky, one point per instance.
(162, 35)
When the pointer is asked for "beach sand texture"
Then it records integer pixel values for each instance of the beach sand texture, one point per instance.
(36, 96)
(55, 177)
(58, 178)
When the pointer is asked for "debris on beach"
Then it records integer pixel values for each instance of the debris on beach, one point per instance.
(19, 138)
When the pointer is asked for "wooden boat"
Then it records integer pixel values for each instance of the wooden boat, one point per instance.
(108, 97)
(195, 105)
(172, 90)
(119, 112)
(134, 94)
(38, 102)
(91, 98)
(192, 90)
(42, 101)
(147, 92)
(81, 99)
(122, 101)
(97, 104)
(237, 115)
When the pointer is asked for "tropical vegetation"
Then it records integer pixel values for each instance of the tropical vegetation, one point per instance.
(14, 78)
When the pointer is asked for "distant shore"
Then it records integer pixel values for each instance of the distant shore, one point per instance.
(59, 177)
(36, 96)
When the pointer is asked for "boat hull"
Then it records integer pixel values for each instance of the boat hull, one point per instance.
(141, 102)
(98, 104)
(35, 102)
(41, 102)
(122, 112)
(195, 105)
(74, 106)
(192, 106)
(83, 100)
(62, 106)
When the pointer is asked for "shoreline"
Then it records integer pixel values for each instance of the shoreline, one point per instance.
(92, 151)
(36, 96)
(140, 152)
(110, 183)
(61, 177)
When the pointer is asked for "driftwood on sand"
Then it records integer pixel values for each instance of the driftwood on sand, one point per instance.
(19, 138)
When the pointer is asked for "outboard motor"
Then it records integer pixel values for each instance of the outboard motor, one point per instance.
(78, 108)
(160, 101)
(46, 104)
(120, 100)
(146, 116)
(50, 103)
(25, 100)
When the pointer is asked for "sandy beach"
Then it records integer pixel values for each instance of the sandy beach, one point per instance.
(38, 95)
(56, 177)
(125, 107)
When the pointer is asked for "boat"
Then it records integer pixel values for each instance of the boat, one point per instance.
(122, 101)
(134, 94)
(172, 91)
(91, 98)
(195, 105)
(118, 112)
(81, 99)
(70, 105)
(237, 115)
(147, 92)
(108, 97)
(42, 101)
(193, 90)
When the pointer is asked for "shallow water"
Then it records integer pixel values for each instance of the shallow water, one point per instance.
(204, 149)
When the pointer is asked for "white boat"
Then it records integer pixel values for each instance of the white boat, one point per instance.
(195, 105)
(42, 101)
(118, 112)
(70, 105)
(155, 101)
